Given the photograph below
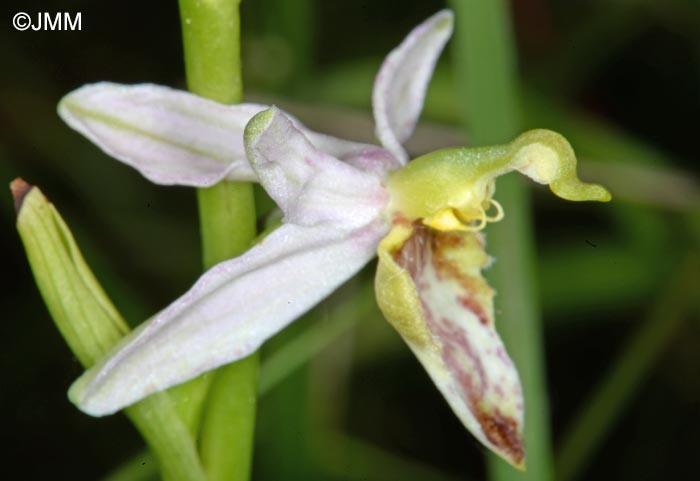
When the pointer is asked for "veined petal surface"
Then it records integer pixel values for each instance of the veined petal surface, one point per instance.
(170, 136)
(402, 81)
(429, 287)
(228, 313)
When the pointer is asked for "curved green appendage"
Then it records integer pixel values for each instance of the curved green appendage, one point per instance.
(461, 179)
(548, 158)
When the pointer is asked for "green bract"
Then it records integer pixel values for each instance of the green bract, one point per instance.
(91, 326)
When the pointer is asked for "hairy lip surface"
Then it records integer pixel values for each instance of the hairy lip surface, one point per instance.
(428, 253)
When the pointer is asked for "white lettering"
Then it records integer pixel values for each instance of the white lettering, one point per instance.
(36, 26)
(54, 24)
(48, 22)
(75, 23)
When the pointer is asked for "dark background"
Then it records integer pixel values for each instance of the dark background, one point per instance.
(620, 77)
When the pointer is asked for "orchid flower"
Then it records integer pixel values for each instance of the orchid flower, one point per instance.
(343, 202)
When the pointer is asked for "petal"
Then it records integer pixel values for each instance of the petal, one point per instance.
(429, 286)
(400, 86)
(310, 186)
(170, 136)
(366, 157)
(228, 313)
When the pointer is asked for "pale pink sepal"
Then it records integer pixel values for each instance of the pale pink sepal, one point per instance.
(402, 81)
(172, 137)
(228, 313)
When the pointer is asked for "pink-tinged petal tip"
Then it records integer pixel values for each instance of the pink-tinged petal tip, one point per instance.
(402, 81)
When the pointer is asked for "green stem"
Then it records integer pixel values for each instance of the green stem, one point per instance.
(614, 392)
(228, 423)
(226, 222)
(142, 467)
(211, 31)
(211, 40)
(486, 74)
(156, 418)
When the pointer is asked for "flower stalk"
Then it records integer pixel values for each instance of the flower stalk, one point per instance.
(211, 39)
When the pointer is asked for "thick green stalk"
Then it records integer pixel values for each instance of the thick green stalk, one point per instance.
(228, 422)
(211, 31)
(486, 74)
(211, 41)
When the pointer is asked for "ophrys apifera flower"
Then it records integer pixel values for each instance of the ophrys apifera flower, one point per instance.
(343, 202)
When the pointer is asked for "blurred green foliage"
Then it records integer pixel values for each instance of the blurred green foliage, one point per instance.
(620, 79)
